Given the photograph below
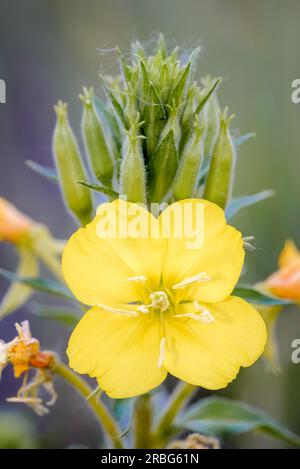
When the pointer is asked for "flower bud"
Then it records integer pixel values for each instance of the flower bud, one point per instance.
(220, 176)
(163, 168)
(189, 167)
(70, 167)
(97, 148)
(211, 118)
(133, 173)
(153, 117)
(14, 225)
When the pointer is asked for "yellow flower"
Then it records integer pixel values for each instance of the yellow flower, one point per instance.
(285, 282)
(14, 225)
(160, 301)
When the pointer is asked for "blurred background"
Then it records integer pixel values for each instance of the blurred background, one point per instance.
(49, 50)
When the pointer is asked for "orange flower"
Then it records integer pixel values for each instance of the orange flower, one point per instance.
(285, 282)
(24, 353)
(13, 224)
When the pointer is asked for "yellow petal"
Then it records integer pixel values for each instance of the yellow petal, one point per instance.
(289, 254)
(210, 355)
(17, 294)
(121, 352)
(99, 259)
(207, 244)
(271, 351)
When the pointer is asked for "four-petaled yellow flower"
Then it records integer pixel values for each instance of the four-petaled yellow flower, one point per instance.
(160, 303)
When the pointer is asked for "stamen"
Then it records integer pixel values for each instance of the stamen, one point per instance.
(201, 277)
(139, 278)
(205, 316)
(205, 313)
(143, 309)
(125, 312)
(162, 352)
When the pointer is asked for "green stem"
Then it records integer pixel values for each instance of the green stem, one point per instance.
(182, 393)
(107, 422)
(142, 422)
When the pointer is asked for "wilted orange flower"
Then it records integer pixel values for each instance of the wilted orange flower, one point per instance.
(285, 282)
(13, 224)
(24, 352)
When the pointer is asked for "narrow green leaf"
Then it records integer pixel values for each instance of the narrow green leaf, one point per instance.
(243, 138)
(45, 171)
(251, 294)
(207, 95)
(237, 203)
(39, 284)
(98, 188)
(222, 417)
(60, 314)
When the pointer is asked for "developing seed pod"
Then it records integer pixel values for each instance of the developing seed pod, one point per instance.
(133, 172)
(153, 120)
(189, 167)
(94, 137)
(70, 167)
(219, 181)
(211, 118)
(173, 123)
(163, 168)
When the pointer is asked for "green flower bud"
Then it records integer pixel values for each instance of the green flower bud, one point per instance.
(153, 120)
(70, 167)
(188, 171)
(163, 168)
(211, 113)
(133, 172)
(95, 140)
(173, 123)
(219, 181)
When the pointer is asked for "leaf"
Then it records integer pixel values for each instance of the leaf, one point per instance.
(123, 412)
(45, 171)
(237, 203)
(62, 315)
(98, 188)
(207, 95)
(222, 417)
(253, 295)
(39, 284)
(17, 294)
(243, 138)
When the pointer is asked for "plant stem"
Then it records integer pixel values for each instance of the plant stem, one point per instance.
(107, 422)
(182, 393)
(142, 422)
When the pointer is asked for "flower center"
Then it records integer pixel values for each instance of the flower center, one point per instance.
(159, 300)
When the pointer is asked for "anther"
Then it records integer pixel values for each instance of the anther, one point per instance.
(201, 277)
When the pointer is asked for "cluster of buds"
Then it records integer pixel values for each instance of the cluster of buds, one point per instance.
(25, 355)
(158, 136)
(34, 244)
